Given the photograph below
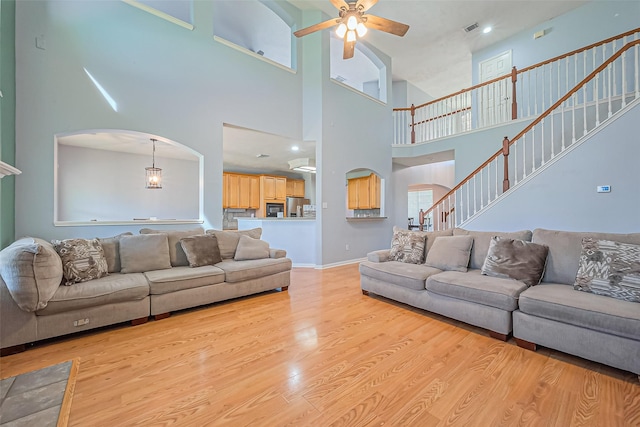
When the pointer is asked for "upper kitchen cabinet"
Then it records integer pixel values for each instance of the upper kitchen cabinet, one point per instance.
(240, 191)
(363, 192)
(274, 187)
(295, 187)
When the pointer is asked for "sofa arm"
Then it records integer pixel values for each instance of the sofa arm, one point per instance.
(379, 256)
(277, 253)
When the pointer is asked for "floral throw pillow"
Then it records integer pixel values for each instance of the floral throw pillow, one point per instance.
(609, 268)
(407, 246)
(82, 260)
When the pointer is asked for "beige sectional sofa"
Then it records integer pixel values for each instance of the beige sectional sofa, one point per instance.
(552, 313)
(148, 274)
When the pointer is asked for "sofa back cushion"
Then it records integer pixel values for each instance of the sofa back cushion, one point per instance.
(565, 248)
(144, 252)
(450, 253)
(176, 253)
(482, 239)
(228, 239)
(32, 271)
(111, 248)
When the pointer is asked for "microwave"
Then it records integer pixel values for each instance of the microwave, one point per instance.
(272, 209)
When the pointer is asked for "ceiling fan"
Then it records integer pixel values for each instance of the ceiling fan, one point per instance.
(353, 24)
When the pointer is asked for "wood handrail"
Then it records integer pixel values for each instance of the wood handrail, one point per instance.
(539, 64)
(536, 121)
(442, 116)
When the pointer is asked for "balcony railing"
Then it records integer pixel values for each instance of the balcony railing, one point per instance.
(521, 94)
(594, 100)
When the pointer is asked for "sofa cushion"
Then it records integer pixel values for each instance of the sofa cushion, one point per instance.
(515, 259)
(610, 269)
(180, 278)
(481, 240)
(32, 271)
(474, 287)
(412, 276)
(110, 289)
(228, 240)
(407, 246)
(239, 271)
(111, 247)
(144, 252)
(565, 248)
(563, 304)
(201, 250)
(82, 259)
(250, 248)
(450, 253)
(176, 253)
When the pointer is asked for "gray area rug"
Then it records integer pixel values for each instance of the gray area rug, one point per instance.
(38, 398)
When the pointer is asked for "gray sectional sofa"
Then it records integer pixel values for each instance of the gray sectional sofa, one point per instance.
(552, 314)
(148, 275)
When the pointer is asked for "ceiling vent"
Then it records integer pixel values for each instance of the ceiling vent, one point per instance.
(261, 156)
(471, 27)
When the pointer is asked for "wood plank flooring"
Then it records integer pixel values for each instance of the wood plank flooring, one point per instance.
(323, 354)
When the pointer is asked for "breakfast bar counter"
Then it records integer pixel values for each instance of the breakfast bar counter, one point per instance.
(295, 235)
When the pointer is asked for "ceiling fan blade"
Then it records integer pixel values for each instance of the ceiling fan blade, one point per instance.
(317, 27)
(366, 4)
(386, 25)
(339, 4)
(349, 49)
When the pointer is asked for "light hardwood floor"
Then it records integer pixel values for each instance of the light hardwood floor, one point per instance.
(323, 354)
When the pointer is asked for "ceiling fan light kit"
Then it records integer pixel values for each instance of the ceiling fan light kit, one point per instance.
(353, 24)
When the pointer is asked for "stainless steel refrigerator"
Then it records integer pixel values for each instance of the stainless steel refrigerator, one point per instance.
(294, 206)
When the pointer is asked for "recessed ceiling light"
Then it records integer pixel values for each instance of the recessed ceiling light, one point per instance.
(487, 30)
(295, 148)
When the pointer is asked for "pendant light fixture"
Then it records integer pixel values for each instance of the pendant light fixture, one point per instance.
(153, 174)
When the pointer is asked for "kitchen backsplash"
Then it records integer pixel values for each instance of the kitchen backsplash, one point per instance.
(361, 213)
(228, 217)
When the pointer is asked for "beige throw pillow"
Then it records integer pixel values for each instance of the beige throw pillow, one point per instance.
(516, 259)
(201, 250)
(250, 248)
(144, 252)
(450, 253)
(228, 240)
(176, 253)
(82, 259)
(111, 247)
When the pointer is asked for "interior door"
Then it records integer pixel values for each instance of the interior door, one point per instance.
(495, 99)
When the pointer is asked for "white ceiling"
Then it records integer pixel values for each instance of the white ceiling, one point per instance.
(435, 54)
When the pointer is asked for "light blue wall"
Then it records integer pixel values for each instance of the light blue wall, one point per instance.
(7, 120)
(183, 85)
(406, 93)
(590, 23)
(166, 80)
(564, 196)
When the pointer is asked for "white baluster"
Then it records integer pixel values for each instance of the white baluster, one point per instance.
(524, 156)
(468, 200)
(515, 166)
(573, 119)
(533, 149)
(609, 71)
(552, 133)
(535, 91)
(596, 97)
(562, 127)
(543, 85)
(584, 108)
(637, 67)
(624, 78)
(542, 144)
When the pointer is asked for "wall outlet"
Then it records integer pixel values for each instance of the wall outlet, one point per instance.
(346, 246)
(81, 322)
(603, 189)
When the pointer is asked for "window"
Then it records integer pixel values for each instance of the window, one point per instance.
(262, 27)
(420, 199)
(365, 72)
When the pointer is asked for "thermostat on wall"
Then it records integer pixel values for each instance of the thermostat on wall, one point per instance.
(603, 188)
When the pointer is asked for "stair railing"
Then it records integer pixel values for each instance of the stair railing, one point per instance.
(521, 94)
(591, 102)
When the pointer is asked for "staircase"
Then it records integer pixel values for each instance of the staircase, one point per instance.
(566, 122)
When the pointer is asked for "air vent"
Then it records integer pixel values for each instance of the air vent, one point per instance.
(471, 27)
(261, 156)
(340, 79)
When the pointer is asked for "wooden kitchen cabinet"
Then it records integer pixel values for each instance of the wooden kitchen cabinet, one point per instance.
(240, 191)
(295, 187)
(274, 187)
(364, 192)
